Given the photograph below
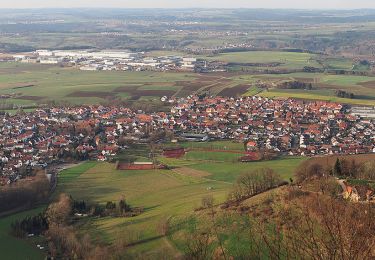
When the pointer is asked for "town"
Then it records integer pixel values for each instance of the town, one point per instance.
(38, 139)
(109, 60)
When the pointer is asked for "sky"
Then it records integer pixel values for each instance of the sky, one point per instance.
(295, 4)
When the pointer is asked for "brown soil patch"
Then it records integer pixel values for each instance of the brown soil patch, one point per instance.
(134, 91)
(169, 84)
(191, 172)
(158, 93)
(193, 84)
(368, 84)
(98, 94)
(234, 91)
(35, 98)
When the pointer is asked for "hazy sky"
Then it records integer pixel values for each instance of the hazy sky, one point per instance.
(300, 4)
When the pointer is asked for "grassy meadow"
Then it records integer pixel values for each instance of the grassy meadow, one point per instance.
(164, 194)
(160, 192)
(14, 248)
(289, 60)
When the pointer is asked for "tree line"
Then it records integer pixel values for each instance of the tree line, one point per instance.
(343, 168)
(253, 183)
(296, 85)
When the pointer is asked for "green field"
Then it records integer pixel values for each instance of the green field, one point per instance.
(216, 145)
(35, 84)
(164, 194)
(160, 192)
(289, 60)
(14, 248)
(310, 95)
(39, 84)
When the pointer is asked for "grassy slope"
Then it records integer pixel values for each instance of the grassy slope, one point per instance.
(161, 193)
(228, 171)
(13, 248)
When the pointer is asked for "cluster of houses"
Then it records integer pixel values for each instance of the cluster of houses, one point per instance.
(356, 193)
(52, 135)
(285, 126)
(109, 60)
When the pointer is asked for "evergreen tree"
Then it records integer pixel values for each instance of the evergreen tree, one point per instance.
(337, 170)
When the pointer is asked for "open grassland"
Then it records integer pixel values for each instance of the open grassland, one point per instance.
(39, 84)
(14, 248)
(229, 171)
(220, 160)
(312, 96)
(324, 87)
(32, 84)
(162, 193)
(289, 60)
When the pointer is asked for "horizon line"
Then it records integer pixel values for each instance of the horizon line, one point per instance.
(187, 8)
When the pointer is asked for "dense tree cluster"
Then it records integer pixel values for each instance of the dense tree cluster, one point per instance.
(24, 194)
(295, 85)
(344, 94)
(35, 225)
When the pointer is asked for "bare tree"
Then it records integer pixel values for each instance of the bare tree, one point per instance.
(59, 212)
(324, 228)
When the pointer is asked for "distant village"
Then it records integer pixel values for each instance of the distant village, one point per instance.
(44, 137)
(109, 60)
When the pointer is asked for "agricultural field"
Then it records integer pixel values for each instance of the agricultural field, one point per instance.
(32, 84)
(286, 60)
(324, 87)
(40, 84)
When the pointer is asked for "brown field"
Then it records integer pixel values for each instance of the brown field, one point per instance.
(156, 92)
(31, 97)
(191, 172)
(133, 91)
(368, 84)
(235, 91)
(128, 88)
(98, 94)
